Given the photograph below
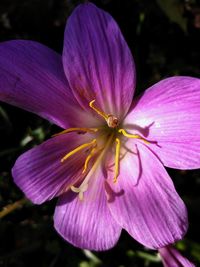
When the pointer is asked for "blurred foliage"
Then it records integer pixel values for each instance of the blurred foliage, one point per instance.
(164, 36)
(174, 10)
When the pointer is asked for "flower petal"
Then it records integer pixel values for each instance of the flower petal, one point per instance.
(87, 223)
(169, 112)
(32, 78)
(151, 210)
(97, 61)
(173, 258)
(39, 172)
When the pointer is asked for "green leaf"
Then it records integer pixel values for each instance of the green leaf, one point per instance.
(174, 11)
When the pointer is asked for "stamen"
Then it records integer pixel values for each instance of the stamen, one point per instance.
(81, 147)
(88, 159)
(87, 130)
(132, 135)
(117, 156)
(83, 187)
(101, 113)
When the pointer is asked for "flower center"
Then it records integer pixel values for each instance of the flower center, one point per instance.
(110, 136)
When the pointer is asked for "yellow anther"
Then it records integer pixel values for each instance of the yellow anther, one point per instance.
(87, 130)
(88, 159)
(81, 147)
(101, 113)
(132, 135)
(117, 158)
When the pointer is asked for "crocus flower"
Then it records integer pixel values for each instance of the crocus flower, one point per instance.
(106, 166)
(172, 258)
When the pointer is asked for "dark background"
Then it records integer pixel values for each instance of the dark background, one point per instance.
(164, 36)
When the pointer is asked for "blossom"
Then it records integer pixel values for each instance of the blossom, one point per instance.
(106, 166)
(172, 258)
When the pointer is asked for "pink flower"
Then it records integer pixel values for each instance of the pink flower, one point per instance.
(107, 166)
(172, 258)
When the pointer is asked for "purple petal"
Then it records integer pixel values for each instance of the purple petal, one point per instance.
(32, 78)
(172, 258)
(87, 223)
(169, 112)
(39, 172)
(97, 61)
(151, 210)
